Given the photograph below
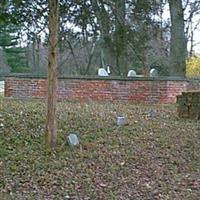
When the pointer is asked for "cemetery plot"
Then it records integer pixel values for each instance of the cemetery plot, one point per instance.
(154, 155)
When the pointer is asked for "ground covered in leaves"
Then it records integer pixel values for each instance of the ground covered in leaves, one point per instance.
(151, 157)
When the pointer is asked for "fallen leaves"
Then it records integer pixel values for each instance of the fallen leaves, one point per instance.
(151, 157)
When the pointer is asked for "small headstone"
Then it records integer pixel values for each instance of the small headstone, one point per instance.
(108, 69)
(153, 73)
(102, 72)
(73, 139)
(151, 114)
(131, 73)
(121, 120)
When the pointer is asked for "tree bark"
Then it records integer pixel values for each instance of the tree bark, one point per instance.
(51, 128)
(178, 45)
(121, 38)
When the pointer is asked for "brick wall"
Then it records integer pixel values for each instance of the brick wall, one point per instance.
(136, 90)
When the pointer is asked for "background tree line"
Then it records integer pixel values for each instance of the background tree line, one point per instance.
(125, 34)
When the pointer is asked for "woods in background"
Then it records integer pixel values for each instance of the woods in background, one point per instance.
(124, 34)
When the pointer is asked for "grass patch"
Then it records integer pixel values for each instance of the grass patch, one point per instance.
(148, 158)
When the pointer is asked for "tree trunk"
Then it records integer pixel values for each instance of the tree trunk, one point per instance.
(178, 45)
(121, 38)
(51, 129)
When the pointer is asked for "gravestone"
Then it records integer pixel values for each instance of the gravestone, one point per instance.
(108, 69)
(73, 139)
(121, 120)
(131, 73)
(151, 114)
(102, 72)
(153, 73)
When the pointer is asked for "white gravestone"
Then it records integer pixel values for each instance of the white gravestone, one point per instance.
(102, 72)
(131, 73)
(108, 69)
(153, 73)
(121, 120)
(73, 139)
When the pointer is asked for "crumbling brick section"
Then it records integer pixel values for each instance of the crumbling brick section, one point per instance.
(188, 105)
(148, 91)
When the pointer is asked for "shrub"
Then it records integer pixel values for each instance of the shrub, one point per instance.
(193, 66)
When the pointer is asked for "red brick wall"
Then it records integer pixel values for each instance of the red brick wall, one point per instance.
(143, 91)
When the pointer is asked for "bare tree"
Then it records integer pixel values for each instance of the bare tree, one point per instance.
(192, 22)
(51, 128)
